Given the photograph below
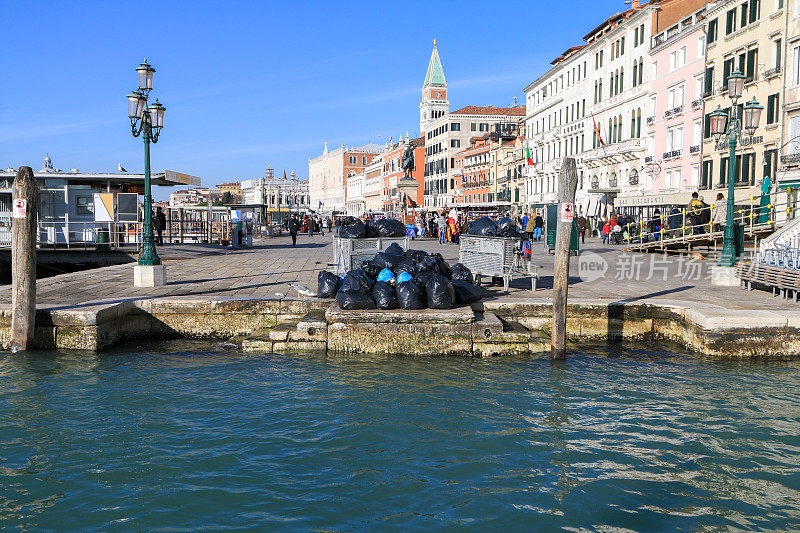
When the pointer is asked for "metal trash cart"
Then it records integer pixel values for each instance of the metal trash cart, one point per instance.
(496, 257)
(349, 253)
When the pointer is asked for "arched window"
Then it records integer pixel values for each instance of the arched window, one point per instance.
(621, 79)
(635, 70)
(619, 135)
(639, 123)
(641, 70)
(633, 124)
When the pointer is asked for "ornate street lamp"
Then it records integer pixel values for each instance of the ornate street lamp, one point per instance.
(727, 123)
(147, 122)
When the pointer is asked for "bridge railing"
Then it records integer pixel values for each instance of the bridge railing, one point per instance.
(682, 226)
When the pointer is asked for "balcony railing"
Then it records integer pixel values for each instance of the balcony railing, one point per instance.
(694, 149)
(612, 183)
(648, 159)
(651, 121)
(772, 72)
(697, 104)
(707, 93)
(674, 111)
(674, 153)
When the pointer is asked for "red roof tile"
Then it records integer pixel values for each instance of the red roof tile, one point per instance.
(518, 111)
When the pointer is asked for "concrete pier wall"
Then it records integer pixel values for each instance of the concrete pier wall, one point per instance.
(492, 328)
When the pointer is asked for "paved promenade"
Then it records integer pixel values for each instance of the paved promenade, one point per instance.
(265, 271)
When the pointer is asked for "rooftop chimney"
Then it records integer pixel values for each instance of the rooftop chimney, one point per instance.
(635, 4)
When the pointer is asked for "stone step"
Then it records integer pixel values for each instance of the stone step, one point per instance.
(459, 315)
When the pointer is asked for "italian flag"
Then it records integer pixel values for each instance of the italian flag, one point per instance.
(529, 155)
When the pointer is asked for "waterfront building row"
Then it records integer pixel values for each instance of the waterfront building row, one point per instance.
(630, 103)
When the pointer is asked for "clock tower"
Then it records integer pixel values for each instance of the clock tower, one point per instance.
(434, 102)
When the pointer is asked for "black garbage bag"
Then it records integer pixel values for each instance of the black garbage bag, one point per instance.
(483, 226)
(386, 260)
(371, 230)
(466, 293)
(354, 230)
(385, 296)
(428, 263)
(461, 273)
(424, 275)
(412, 295)
(356, 281)
(394, 249)
(506, 228)
(351, 300)
(389, 227)
(441, 266)
(440, 293)
(370, 268)
(406, 265)
(416, 255)
(327, 284)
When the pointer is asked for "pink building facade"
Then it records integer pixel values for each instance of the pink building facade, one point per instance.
(674, 127)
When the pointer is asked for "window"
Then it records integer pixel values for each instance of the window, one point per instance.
(455, 143)
(364, 160)
(743, 15)
(353, 160)
(712, 30)
(708, 82)
(682, 57)
(796, 66)
(770, 164)
(707, 173)
(755, 10)
(752, 63)
(778, 46)
(472, 126)
(696, 133)
(673, 60)
(655, 69)
(772, 108)
(84, 206)
(701, 46)
(455, 126)
(730, 22)
(635, 71)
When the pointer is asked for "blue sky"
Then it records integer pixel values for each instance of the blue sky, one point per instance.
(248, 84)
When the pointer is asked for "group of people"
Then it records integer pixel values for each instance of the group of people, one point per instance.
(308, 224)
(532, 225)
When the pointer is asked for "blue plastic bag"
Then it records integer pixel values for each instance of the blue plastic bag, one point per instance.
(385, 275)
(403, 277)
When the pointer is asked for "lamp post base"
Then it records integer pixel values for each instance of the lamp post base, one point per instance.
(149, 275)
(724, 276)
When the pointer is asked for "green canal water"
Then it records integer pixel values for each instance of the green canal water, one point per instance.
(187, 436)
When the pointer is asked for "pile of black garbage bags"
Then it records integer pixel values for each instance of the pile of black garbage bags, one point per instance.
(397, 279)
(353, 228)
(486, 227)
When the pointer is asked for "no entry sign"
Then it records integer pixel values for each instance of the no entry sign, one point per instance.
(20, 209)
(567, 212)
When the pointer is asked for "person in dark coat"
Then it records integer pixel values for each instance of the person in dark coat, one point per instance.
(674, 221)
(294, 227)
(160, 222)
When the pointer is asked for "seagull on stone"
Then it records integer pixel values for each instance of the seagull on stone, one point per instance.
(302, 290)
(120, 168)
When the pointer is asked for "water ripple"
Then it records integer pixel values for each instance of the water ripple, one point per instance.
(183, 436)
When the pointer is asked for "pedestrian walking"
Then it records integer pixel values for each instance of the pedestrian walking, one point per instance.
(582, 228)
(539, 224)
(694, 211)
(606, 232)
(530, 227)
(441, 223)
(294, 226)
(159, 223)
(720, 213)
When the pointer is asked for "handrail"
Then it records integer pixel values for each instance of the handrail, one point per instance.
(751, 216)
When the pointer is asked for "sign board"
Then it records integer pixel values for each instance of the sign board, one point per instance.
(181, 179)
(103, 207)
(567, 212)
(20, 209)
(127, 207)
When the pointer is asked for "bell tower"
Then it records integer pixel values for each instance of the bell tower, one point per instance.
(434, 102)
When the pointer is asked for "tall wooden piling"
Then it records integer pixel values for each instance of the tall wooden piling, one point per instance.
(567, 183)
(25, 207)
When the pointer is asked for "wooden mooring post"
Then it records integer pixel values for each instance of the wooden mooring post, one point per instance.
(567, 183)
(24, 213)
